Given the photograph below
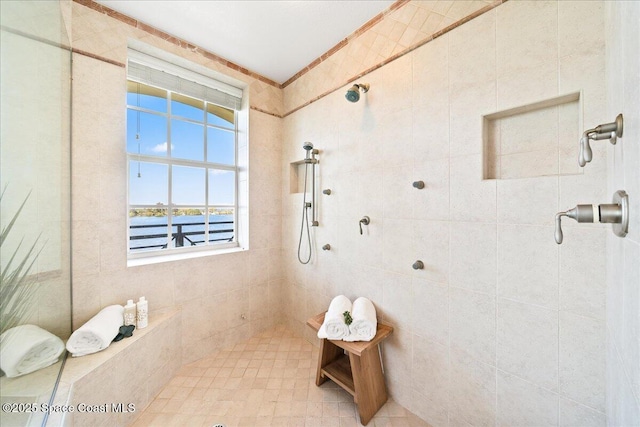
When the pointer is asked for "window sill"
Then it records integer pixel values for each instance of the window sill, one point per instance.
(156, 259)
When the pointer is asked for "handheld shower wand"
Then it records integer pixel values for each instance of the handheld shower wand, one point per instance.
(310, 159)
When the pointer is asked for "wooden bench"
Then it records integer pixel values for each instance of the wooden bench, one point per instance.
(359, 371)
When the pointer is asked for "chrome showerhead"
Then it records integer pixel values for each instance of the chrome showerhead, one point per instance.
(353, 94)
(308, 146)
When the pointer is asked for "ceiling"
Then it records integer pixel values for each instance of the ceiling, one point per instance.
(273, 38)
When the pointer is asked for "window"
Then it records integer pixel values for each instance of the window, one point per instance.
(182, 159)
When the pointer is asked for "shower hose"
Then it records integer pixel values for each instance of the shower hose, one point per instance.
(305, 220)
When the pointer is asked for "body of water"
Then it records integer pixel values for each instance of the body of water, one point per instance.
(161, 228)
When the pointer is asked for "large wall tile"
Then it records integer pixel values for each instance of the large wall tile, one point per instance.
(467, 105)
(471, 198)
(472, 324)
(582, 360)
(431, 245)
(573, 414)
(473, 256)
(630, 345)
(528, 264)
(431, 131)
(432, 202)
(580, 28)
(528, 85)
(397, 193)
(474, 43)
(527, 342)
(528, 200)
(399, 245)
(474, 390)
(430, 310)
(397, 297)
(431, 73)
(431, 370)
(523, 43)
(521, 403)
(582, 273)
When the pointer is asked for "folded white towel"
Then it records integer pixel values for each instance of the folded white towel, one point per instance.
(365, 323)
(98, 332)
(27, 348)
(333, 327)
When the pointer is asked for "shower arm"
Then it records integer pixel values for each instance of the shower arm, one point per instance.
(611, 131)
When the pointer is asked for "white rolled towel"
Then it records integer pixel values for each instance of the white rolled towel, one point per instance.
(28, 348)
(98, 332)
(334, 327)
(365, 323)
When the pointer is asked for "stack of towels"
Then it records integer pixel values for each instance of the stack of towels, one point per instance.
(97, 333)
(28, 348)
(364, 324)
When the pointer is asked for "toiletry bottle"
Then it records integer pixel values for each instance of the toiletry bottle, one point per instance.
(130, 313)
(143, 313)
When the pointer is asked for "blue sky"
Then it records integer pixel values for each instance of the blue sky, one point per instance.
(187, 142)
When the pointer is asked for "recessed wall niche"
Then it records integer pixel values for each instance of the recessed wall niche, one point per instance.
(537, 139)
(296, 177)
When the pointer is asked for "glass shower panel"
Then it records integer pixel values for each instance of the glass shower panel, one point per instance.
(35, 184)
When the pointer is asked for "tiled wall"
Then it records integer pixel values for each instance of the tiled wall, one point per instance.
(214, 292)
(623, 255)
(502, 325)
(400, 28)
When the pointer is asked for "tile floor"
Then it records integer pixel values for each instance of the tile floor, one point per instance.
(268, 380)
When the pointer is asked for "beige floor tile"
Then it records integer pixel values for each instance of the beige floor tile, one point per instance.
(268, 380)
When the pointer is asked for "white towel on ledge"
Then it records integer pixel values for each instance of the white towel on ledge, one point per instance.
(333, 327)
(365, 324)
(28, 348)
(98, 332)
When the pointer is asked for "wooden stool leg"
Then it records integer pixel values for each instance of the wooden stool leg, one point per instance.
(368, 380)
(328, 353)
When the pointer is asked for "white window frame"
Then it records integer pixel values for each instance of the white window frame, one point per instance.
(240, 167)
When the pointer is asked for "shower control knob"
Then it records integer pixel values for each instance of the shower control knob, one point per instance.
(326, 247)
(581, 213)
(418, 184)
(615, 213)
(418, 265)
(327, 191)
(365, 220)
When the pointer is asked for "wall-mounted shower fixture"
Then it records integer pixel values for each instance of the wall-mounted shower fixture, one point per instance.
(353, 94)
(327, 191)
(418, 265)
(611, 131)
(418, 184)
(616, 213)
(364, 220)
(309, 160)
(326, 247)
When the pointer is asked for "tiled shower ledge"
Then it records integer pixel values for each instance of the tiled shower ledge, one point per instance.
(78, 367)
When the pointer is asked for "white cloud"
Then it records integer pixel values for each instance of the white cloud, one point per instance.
(161, 148)
(218, 172)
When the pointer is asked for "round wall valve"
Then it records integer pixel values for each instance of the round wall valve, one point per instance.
(616, 214)
(620, 198)
(418, 265)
